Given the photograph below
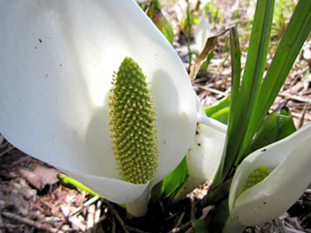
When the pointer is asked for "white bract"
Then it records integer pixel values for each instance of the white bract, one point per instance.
(289, 161)
(57, 59)
(205, 153)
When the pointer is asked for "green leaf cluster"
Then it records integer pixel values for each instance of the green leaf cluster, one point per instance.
(253, 93)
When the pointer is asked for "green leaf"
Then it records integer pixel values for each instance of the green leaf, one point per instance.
(221, 215)
(284, 57)
(286, 124)
(215, 220)
(251, 101)
(171, 184)
(267, 132)
(248, 96)
(68, 180)
(200, 226)
(222, 115)
(174, 180)
(256, 94)
(235, 53)
(276, 126)
(223, 103)
(220, 110)
(295, 35)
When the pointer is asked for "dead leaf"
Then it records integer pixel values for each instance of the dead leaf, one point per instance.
(209, 46)
(40, 176)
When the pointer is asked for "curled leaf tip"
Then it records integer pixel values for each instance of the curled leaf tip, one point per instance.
(256, 176)
(132, 114)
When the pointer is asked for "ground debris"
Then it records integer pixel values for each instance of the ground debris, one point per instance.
(26, 206)
(40, 176)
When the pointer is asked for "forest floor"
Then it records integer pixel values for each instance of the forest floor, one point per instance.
(33, 200)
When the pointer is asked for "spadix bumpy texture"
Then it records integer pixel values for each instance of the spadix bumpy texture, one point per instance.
(132, 114)
(256, 176)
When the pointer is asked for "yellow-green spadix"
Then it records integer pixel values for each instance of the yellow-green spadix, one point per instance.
(57, 60)
(132, 115)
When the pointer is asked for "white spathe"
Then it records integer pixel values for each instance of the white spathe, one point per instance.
(57, 59)
(205, 153)
(289, 161)
(202, 32)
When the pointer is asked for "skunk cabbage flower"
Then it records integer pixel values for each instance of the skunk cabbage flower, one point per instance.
(57, 62)
(280, 173)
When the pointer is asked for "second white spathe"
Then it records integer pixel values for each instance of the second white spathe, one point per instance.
(289, 161)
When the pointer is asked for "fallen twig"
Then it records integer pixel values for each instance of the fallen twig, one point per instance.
(212, 90)
(302, 118)
(85, 204)
(7, 226)
(30, 222)
(91, 219)
(181, 228)
(293, 97)
(7, 150)
(133, 229)
(98, 211)
(115, 213)
(181, 217)
(298, 115)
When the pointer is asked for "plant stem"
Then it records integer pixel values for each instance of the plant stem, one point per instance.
(233, 226)
(216, 195)
(139, 207)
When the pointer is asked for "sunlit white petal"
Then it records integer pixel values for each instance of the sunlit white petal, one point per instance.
(57, 59)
